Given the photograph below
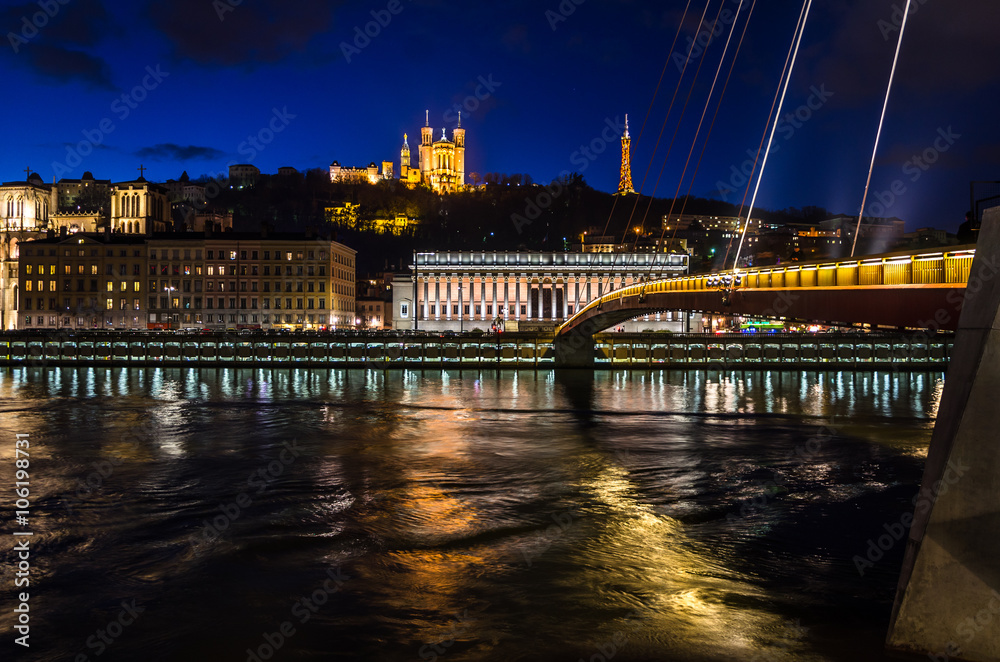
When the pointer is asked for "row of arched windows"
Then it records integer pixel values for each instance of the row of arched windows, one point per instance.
(15, 207)
(131, 207)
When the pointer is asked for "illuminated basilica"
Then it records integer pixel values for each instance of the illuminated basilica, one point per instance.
(441, 161)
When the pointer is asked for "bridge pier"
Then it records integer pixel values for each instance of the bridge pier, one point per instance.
(948, 601)
(574, 350)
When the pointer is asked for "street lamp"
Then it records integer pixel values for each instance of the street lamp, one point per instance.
(169, 289)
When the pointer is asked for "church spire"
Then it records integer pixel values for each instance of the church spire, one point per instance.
(460, 119)
(427, 118)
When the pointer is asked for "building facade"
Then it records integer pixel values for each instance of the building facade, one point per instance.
(82, 281)
(245, 280)
(463, 291)
(182, 280)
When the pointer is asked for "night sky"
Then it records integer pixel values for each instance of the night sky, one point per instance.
(201, 77)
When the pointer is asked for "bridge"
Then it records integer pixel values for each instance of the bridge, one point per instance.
(915, 289)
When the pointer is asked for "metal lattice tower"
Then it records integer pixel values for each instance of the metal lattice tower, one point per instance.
(625, 182)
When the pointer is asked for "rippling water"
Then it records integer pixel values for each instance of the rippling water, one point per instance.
(473, 515)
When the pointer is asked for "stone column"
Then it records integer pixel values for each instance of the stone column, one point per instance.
(948, 601)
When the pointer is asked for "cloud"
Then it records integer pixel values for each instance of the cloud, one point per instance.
(174, 152)
(53, 47)
(219, 34)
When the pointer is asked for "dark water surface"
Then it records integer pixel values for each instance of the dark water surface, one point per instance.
(473, 515)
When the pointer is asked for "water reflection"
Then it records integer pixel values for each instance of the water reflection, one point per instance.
(688, 512)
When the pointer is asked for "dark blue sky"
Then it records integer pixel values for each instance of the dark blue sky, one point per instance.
(202, 76)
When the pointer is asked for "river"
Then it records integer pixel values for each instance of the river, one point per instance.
(290, 514)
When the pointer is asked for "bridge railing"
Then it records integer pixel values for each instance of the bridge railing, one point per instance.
(893, 269)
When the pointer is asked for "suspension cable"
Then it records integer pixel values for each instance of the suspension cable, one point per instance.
(774, 128)
(701, 121)
(680, 26)
(673, 138)
(763, 135)
(878, 134)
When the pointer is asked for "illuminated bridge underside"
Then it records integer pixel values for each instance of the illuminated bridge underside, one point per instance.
(904, 289)
(934, 306)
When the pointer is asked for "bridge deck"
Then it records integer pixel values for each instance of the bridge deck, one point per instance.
(902, 289)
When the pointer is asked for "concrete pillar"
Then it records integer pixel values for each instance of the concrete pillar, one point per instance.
(948, 601)
(575, 350)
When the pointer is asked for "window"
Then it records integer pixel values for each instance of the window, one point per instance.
(108, 303)
(404, 310)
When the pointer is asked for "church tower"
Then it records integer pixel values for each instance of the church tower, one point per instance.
(139, 207)
(426, 142)
(459, 134)
(404, 159)
(625, 180)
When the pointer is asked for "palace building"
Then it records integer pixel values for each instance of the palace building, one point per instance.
(462, 291)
